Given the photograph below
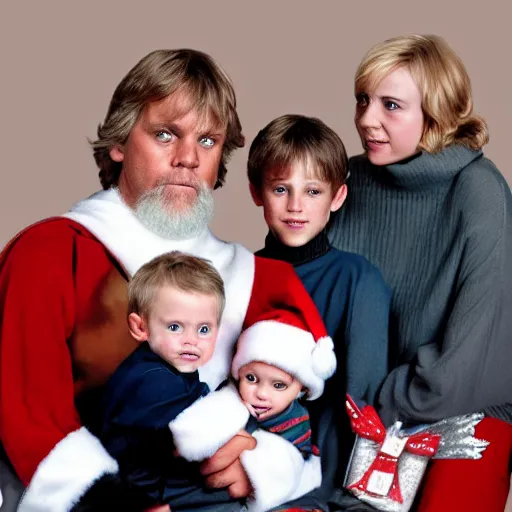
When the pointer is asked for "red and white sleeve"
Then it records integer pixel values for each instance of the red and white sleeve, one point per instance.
(58, 459)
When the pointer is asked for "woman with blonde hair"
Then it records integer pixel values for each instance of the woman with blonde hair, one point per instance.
(427, 208)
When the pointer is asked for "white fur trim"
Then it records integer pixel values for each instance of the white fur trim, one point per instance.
(323, 362)
(108, 218)
(287, 347)
(209, 423)
(274, 468)
(310, 478)
(66, 473)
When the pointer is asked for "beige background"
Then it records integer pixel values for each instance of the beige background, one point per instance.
(60, 62)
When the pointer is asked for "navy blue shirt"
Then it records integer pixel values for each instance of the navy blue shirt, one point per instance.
(354, 302)
(143, 395)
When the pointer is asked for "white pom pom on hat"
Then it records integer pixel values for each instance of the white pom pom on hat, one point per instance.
(293, 338)
(323, 364)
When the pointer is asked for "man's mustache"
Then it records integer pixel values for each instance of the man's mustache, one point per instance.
(195, 184)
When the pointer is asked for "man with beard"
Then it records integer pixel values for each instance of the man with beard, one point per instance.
(162, 149)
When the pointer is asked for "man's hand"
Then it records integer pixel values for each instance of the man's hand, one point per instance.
(224, 469)
(159, 508)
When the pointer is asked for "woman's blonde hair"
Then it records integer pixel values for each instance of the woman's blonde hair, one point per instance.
(156, 76)
(443, 83)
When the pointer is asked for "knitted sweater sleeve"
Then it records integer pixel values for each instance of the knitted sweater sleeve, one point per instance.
(470, 369)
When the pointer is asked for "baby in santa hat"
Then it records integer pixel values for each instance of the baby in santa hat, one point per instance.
(273, 370)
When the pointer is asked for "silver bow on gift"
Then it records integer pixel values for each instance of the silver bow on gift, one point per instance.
(385, 469)
(458, 439)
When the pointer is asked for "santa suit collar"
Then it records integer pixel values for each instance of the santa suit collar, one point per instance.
(108, 218)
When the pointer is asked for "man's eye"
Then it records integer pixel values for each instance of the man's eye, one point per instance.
(204, 329)
(175, 328)
(163, 136)
(279, 190)
(314, 192)
(280, 385)
(250, 377)
(207, 142)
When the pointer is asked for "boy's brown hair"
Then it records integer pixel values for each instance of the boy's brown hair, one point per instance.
(181, 271)
(296, 138)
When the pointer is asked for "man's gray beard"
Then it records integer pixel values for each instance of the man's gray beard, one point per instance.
(154, 212)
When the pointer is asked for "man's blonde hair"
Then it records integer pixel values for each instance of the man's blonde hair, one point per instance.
(296, 138)
(156, 76)
(181, 271)
(443, 83)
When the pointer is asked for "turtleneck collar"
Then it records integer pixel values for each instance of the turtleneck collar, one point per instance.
(276, 250)
(428, 169)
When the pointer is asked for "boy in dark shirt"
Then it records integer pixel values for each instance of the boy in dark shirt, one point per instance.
(175, 305)
(297, 170)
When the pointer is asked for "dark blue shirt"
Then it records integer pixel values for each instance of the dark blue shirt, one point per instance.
(353, 300)
(143, 395)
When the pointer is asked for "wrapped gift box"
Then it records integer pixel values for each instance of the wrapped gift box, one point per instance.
(387, 466)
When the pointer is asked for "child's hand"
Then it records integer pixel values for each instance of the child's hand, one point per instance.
(251, 410)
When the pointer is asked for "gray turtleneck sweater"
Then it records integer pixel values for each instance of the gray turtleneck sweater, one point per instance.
(439, 227)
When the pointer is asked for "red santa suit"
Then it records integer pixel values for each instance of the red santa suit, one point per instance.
(49, 276)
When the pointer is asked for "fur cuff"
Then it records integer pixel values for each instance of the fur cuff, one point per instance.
(310, 479)
(274, 468)
(209, 423)
(67, 472)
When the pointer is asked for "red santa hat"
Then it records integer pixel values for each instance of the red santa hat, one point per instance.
(292, 336)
